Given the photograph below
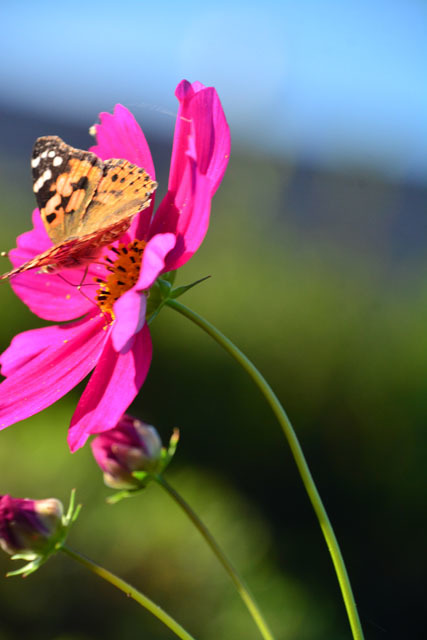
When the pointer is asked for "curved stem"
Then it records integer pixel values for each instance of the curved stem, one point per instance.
(129, 591)
(304, 471)
(237, 580)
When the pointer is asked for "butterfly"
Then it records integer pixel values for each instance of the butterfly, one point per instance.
(85, 203)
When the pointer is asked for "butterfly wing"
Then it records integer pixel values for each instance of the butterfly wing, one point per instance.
(56, 257)
(72, 252)
(123, 191)
(84, 203)
(64, 182)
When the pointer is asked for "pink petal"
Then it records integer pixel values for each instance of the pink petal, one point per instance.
(200, 115)
(111, 389)
(27, 345)
(187, 212)
(153, 259)
(44, 364)
(199, 159)
(32, 242)
(141, 223)
(130, 317)
(47, 295)
(120, 136)
(183, 129)
(212, 135)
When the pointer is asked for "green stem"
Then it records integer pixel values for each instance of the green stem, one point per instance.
(130, 591)
(237, 580)
(307, 478)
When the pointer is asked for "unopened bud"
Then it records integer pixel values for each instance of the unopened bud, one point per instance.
(34, 529)
(129, 447)
(29, 527)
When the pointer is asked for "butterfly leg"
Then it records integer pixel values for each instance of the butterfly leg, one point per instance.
(80, 285)
(84, 278)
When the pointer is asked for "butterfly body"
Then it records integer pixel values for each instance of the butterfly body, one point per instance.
(85, 203)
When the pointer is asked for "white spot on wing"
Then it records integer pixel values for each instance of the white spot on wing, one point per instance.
(57, 161)
(51, 154)
(35, 162)
(44, 154)
(40, 182)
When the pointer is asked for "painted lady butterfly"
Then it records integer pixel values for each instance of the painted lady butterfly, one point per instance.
(85, 204)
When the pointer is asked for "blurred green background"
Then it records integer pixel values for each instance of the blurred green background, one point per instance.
(319, 274)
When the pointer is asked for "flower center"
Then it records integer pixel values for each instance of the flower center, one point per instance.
(124, 272)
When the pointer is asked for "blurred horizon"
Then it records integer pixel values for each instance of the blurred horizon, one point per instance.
(339, 87)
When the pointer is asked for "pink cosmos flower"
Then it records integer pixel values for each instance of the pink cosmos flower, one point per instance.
(107, 334)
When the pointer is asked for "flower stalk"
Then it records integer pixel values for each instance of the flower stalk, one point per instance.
(131, 456)
(130, 592)
(304, 471)
(239, 583)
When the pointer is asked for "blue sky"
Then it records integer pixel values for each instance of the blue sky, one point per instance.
(339, 82)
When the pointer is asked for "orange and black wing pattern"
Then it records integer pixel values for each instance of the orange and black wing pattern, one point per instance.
(85, 204)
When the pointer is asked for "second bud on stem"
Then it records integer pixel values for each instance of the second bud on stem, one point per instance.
(130, 453)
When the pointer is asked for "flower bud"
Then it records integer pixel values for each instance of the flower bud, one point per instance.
(130, 446)
(29, 527)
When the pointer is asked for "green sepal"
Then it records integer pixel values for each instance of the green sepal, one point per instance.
(162, 291)
(72, 512)
(38, 559)
(145, 477)
(27, 569)
(169, 276)
(179, 291)
(120, 495)
(168, 454)
(155, 301)
(165, 288)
